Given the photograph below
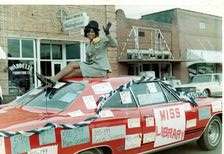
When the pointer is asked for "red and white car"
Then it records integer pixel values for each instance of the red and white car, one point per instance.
(107, 116)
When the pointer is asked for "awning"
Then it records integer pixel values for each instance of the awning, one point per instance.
(203, 56)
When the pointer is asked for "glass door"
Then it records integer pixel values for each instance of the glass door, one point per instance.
(56, 67)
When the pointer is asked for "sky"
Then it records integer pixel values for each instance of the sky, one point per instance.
(213, 7)
(136, 8)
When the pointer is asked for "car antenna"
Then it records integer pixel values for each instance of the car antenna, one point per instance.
(50, 91)
(48, 87)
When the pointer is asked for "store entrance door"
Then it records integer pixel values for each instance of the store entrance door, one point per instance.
(56, 67)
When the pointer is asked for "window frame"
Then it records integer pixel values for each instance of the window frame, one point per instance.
(202, 25)
(162, 86)
(20, 48)
(124, 107)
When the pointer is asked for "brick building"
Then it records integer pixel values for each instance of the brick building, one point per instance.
(152, 41)
(34, 40)
(194, 40)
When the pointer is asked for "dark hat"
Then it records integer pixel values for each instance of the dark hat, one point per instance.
(93, 24)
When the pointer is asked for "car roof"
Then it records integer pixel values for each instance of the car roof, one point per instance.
(119, 79)
(209, 74)
(114, 81)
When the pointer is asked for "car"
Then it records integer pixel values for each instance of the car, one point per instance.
(208, 84)
(116, 115)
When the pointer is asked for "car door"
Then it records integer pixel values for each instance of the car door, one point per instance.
(162, 115)
(125, 112)
(216, 85)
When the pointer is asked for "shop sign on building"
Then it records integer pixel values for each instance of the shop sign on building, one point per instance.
(75, 21)
(21, 69)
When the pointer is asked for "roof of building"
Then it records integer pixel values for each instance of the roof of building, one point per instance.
(168, 16)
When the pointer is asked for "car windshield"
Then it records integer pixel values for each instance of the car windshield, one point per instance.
(58, 98)
(201, 78)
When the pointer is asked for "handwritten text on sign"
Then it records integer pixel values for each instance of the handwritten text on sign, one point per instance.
(45, 150)
(104, 134)
(170, 124)
(47, 136)
(75, 136)
(102, 88)
(19, 144)
(132, 141)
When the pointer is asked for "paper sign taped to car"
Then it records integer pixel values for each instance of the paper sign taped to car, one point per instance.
(2, 145)
(170, 124)
(125, 97)
(104, 134)
(216, 106)
(47, 136)
(133, 122)
(89, 102)
(45, 150)
(106, 114)
(149, 121)
(191, 123)
(152, 87)
(19, 144)
(132, 141)
(149, 137)
(102, 88)
(75, 136)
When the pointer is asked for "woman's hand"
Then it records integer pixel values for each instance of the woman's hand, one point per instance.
(106, 30)
(96, 40)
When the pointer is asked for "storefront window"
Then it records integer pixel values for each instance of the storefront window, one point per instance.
(21, 78)
(161, 70)
(22, 48)
(165, 71)
(45, 51)
(56, 51)
(50, 58)
(20, 65)
(46, 68)
(13, 48)
(27, 48)
(73, 51)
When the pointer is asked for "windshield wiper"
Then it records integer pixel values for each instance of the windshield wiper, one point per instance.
(50, 92)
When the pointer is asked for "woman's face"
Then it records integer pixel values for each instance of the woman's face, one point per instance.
(91, 34)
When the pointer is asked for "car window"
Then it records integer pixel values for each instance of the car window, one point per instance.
(201, 78)
(169, 95)
(218, 78)
(121, 99)
(60, 98)
(148, 93)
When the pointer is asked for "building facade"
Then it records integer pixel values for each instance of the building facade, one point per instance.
(147, 46)
(198, 39)
(34, 40)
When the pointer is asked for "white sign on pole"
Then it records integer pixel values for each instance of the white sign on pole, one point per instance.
(79, 20)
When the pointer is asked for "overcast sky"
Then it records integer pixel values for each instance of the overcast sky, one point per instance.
(135, 10)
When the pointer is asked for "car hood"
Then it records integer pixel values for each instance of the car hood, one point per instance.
(14, 117)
